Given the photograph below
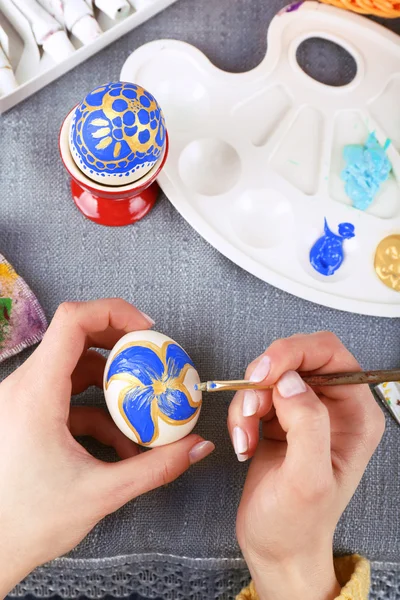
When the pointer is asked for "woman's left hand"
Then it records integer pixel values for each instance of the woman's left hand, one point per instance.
(53, 492)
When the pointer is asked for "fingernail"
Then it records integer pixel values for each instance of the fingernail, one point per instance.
(262, 369)
(291, 384)
(240, 442)
(149, 319)
(200, 451)
(250, 403)
(242, 457)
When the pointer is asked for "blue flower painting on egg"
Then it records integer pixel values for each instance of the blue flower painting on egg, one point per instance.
(155, 387)
(117, 129)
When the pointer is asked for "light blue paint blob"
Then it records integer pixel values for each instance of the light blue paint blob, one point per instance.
(196, 387)
(367, 168)
(326, 256)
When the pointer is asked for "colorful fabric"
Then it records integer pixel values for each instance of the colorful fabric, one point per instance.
(389, 9)
(353, 574)
(22, 320)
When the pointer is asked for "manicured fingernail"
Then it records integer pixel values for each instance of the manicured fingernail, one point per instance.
(262, 369)
(200, 451)
(291, 384)
(242, 457)
(240, 442)
(149, 319)
(250, 403)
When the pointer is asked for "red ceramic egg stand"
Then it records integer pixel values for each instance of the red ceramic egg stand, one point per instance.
(107, 205)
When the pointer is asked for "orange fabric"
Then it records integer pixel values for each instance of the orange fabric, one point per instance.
(352, 572)
(380, 8)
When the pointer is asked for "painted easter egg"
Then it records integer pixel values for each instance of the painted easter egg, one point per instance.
(149, 386)
(117, 134)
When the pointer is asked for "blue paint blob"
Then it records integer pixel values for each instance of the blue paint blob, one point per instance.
(144, 136)
(129, 118)
(130, 94)
(117, 133)
(156, 386)
(130, 131)
(367, 167)
(326, 256)
(212, 385)
(143, 116)
(117, 122)
(119, 105)
(145, 101)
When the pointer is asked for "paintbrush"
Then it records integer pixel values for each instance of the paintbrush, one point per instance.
(326, 379)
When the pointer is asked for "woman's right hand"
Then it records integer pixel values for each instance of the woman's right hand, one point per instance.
(314, 449)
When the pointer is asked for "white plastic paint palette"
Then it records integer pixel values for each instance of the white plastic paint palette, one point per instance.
(256, 158)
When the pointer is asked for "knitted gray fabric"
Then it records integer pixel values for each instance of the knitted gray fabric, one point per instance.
(221, 315)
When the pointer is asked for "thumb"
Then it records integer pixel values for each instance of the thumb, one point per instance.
(120, 482)
(305, 419)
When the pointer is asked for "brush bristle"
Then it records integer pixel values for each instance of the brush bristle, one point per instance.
(200, 387)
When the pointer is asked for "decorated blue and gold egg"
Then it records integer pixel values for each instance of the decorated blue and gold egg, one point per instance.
(149, 386)
(117, 134)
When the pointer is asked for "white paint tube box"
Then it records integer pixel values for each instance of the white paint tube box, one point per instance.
(35, 69)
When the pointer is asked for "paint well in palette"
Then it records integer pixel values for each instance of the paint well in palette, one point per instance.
(351, 130)
(367, 167)
(387, 261)
(297, 157)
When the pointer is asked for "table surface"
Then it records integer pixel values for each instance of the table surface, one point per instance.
(221, 315)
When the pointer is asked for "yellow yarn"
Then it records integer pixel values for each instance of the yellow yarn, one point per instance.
(353, 574)
(380, 8)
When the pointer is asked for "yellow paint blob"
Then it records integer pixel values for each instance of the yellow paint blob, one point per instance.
(387, 262)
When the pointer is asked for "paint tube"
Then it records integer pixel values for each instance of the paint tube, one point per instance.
(389, 395)
(139, 4)
(115, 9)
(76, 16)
(8, 83)
(47, 31)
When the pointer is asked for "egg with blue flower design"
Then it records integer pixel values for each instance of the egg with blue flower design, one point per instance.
(149, 387)
(117, 134)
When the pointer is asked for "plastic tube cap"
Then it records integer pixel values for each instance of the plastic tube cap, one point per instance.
(86, 29)
(58, 46)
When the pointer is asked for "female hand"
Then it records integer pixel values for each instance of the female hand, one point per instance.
(53, 491)
(314, 450)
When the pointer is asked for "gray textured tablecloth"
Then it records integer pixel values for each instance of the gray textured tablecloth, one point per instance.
(220, 314)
